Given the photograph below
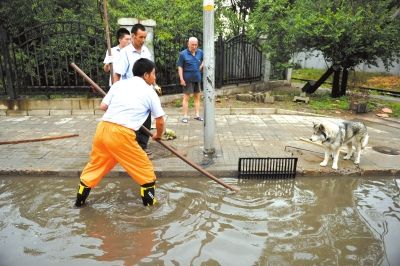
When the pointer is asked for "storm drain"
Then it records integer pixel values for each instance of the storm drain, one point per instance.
(386, 150)
(267, 168)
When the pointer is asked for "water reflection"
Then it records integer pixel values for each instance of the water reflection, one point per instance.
(378, 206)
(119, 241)
(306, 221)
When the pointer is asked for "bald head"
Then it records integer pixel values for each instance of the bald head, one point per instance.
(193, 44)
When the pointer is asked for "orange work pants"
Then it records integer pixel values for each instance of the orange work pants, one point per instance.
(114, 144)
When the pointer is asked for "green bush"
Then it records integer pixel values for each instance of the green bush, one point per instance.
(326, 102)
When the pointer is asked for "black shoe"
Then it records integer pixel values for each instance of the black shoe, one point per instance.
(147, 192)
(147, 151)
(81, 196)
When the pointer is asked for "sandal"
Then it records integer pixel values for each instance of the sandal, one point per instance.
(185, 120)
(199, 118)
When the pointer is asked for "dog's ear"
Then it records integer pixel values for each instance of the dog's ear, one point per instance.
(321, 127)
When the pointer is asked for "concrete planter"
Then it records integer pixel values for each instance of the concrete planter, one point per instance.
(358, 107)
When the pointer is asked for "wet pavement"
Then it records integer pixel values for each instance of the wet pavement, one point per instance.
(240, 133)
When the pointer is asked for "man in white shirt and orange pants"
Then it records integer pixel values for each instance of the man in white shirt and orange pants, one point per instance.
(127, 104)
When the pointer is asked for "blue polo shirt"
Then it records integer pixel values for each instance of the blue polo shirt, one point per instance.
(191, 65)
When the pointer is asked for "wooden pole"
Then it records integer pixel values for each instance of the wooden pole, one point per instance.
(89, 80)
(39, 139)
(107, 29)
(192, 164)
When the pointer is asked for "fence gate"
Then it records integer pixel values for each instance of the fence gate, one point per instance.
(237, 61)
(36, 62)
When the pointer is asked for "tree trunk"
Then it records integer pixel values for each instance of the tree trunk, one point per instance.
(336, 84)
(312, 86)
(343, 85)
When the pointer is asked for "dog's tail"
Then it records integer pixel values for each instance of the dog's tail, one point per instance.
(364, 141)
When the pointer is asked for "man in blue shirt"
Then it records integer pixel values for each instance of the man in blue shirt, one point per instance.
(190, 64)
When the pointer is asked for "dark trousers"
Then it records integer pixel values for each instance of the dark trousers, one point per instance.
(141, 136)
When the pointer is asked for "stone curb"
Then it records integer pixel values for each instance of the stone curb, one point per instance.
(218, 111)
(217, 173)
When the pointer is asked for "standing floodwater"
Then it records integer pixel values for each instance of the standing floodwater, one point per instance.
(307, 221)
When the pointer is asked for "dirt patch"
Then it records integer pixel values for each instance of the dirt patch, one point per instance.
(159, 152)
(285, 96)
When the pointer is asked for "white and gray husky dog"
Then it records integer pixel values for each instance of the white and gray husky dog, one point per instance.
(335, 135)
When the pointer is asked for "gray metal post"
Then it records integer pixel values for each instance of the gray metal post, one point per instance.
(209, 76)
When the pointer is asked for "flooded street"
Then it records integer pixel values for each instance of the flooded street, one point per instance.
(306, 221)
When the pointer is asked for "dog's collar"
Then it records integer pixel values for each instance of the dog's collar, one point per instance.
(326, 139)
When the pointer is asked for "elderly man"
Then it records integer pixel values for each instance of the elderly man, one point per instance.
(190, 64)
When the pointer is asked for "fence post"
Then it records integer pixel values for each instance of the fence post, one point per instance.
(219, 66)
(7, 64)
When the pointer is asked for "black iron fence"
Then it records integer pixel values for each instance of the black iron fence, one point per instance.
(36, 61)
(236, 61)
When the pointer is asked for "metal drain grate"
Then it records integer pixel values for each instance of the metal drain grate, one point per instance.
(267, 168)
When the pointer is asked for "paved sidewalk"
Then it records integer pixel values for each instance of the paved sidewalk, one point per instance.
(247, 133)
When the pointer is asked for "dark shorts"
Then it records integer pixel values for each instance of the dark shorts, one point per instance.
(191, 87)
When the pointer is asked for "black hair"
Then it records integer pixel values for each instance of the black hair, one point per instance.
(142, 66)
(121, 32)
(137, 27)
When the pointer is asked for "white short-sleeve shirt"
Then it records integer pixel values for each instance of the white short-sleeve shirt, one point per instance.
(129, 103)
(116, 53)
(129, 55)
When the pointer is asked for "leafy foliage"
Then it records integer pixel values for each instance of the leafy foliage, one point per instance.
(172, 17)
(232, 16)
(17, 15)
(347, 32)
(270, 24)
(356, 78)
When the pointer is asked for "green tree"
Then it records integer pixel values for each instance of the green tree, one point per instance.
(17, 15)
(270, 26)
(346, 32)
(232, 16)
(172, 17)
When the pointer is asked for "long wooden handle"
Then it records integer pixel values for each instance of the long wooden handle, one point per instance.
(195, 166)
(39, 139)
(89, 80)
(107, 27)
(192, 164)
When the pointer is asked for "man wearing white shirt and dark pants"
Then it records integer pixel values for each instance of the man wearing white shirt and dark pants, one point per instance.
(124, 39)
(131, 53)
(123, 70)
